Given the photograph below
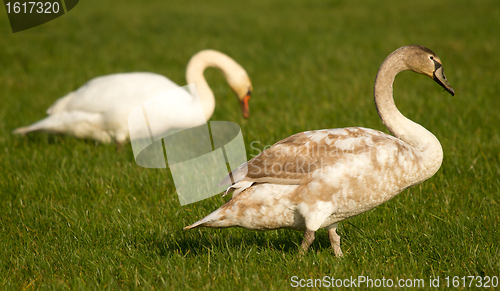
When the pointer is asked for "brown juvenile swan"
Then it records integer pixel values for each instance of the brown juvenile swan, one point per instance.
(315, 179)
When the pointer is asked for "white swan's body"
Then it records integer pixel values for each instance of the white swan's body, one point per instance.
(315, 179)
(99, 109)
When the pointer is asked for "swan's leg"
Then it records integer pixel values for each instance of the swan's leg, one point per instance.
(334, 239)
(308, 240)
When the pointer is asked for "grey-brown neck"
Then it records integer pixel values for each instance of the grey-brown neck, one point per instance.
(400, 126)
(194, 74)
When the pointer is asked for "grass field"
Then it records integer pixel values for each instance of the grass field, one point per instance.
(79, 215)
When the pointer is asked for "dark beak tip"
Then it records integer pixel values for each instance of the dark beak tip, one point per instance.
(443, 83)
(450, 90)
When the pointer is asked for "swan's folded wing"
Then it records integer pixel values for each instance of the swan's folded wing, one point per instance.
(293, 160)
(60, 104)
(235, 176)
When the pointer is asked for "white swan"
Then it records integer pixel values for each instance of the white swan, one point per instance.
(99, 109)
(315, 179)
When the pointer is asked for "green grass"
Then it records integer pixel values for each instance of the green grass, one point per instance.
(79, 215)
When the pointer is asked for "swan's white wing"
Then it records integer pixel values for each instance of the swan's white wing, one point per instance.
(125, 90)
(61, 103)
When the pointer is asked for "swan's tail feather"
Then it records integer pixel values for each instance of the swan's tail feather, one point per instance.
(211, 220)
(26, 129)
(194, 225)
(77, 123)
(50, 121)
(45, 124)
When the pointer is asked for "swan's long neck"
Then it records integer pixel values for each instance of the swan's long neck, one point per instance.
(400, 126)
(194, 74)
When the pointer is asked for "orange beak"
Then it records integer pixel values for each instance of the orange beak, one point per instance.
(244, 106)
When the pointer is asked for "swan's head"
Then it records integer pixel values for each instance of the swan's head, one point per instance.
(242, 87)
(424, 61)
(237, 78)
